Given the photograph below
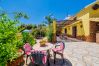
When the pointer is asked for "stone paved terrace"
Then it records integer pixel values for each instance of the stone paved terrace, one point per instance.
(82, 53)
(78, 54)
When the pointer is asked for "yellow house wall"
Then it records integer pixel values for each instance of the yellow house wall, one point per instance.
(85, 30)
(80, 30)
(63, 30)
(85, 14)
(86, 23)
(88, 9)
(69, 29)
(93, 13)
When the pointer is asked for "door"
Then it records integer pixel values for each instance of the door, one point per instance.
(65, 31)
(94, 27)
(74, 32)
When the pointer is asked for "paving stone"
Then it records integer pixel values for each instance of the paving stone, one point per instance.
(88, 60)
(95, 60)
(95, 64)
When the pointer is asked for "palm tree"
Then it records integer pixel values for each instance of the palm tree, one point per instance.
(49, 19)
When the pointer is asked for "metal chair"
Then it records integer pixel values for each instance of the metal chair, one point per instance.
(39, 58)
(59, 48)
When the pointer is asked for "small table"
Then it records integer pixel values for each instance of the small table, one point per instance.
(47, 48)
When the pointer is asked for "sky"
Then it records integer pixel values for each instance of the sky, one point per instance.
(38, 9)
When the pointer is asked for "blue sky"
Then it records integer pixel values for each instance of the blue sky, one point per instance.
(37, 9)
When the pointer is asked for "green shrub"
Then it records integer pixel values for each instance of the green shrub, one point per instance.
(31, 40)
(27, 37)
(50, 34)
(19, 40)
(8, 40)
(38, 33)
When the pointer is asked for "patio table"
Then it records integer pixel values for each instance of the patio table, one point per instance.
(41, 48)
(47, 48)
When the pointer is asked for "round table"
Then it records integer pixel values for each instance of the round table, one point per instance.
(40, 48)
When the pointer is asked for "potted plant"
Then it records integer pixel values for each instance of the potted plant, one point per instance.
(42, 43)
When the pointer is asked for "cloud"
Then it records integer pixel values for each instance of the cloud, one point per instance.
(67, 17)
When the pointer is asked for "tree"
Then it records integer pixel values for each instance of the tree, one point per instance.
(18, 15)
(34, 26)
(8, 39)
(21, 27)
(39, 31)
(9, 43)
(49, 19)
(29, 26)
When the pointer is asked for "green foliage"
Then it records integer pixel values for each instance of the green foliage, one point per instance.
(49, 19)
(40, 31)
(8, 39)
(20, 43)
(31, 40)
(36, 33)
(7, 52)
(29, 26)
(50, 34)
(18, 15)
(22, 27)
(27, 37)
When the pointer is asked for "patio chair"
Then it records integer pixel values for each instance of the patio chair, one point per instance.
(27, 50)
(59, 48)
(39, 58)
